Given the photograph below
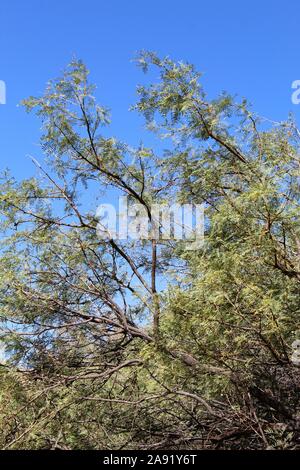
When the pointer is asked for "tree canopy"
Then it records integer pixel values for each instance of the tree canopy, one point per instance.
(148, 344)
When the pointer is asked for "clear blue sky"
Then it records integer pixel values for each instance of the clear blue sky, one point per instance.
(248, 48)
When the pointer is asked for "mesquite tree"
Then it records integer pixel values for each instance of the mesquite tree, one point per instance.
(147, 343)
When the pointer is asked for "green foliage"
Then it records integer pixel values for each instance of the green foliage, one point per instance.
(96, 355)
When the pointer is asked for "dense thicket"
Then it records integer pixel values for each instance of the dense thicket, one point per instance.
(149, 344)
